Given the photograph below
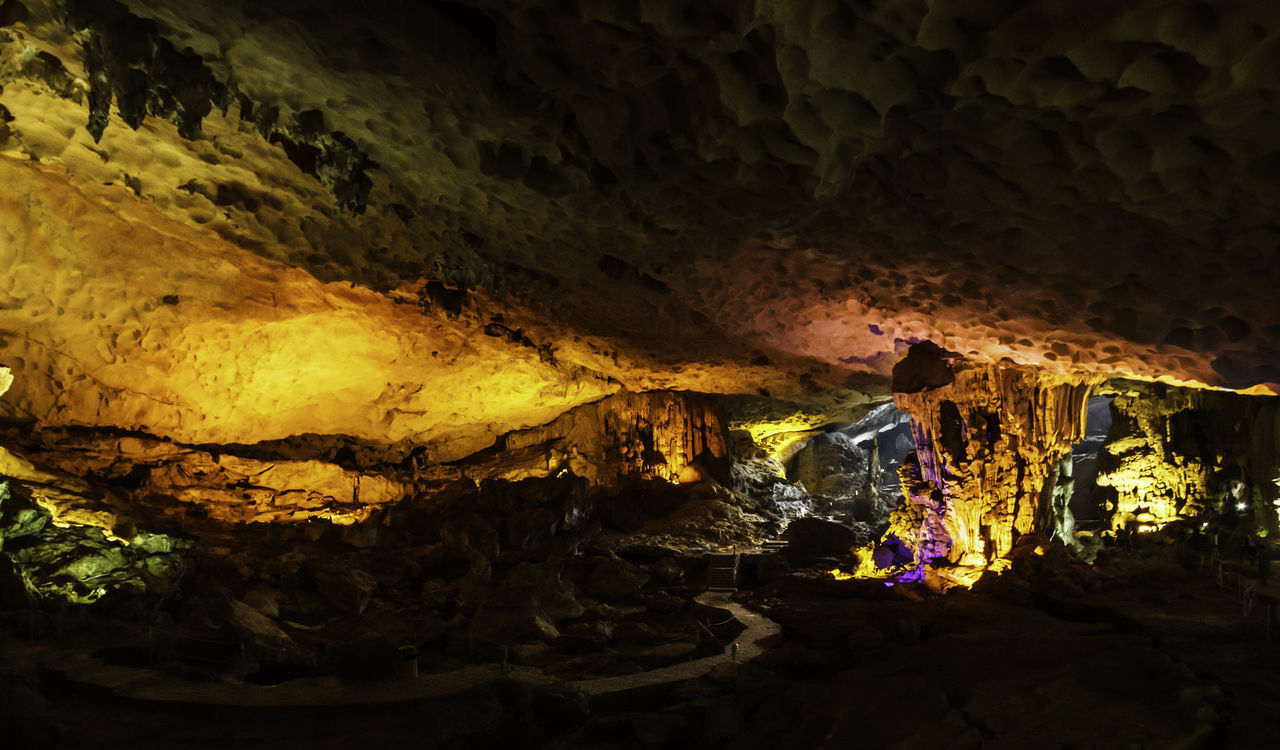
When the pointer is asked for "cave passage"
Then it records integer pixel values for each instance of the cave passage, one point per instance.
(1084, 461)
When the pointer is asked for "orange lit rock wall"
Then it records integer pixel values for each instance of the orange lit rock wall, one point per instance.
(986, 443)
(114, 315)
(162, 478)
(668, 435)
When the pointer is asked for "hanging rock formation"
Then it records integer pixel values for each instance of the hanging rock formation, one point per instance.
(988, 439)
(674, 436)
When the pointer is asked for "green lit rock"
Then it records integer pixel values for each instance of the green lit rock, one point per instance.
(19, 517)
(79, 564)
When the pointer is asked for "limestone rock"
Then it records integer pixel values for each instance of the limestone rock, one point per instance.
(831, 464)
(504, 623)
(542, 583)
(346, 588)
(668, 570)
(1014, 423)
(268, 642)
(811, 538)
(653, 435)
(614, 578)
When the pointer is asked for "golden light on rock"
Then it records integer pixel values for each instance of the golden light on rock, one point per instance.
(351, 353)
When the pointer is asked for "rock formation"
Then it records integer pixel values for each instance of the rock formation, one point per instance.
(676, 437)
(988, 442)
(1175, 454)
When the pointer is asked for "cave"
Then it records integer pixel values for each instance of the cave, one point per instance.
(627, 375)
(1085, 504)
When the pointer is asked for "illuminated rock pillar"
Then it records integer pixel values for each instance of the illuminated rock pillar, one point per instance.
(989, 442)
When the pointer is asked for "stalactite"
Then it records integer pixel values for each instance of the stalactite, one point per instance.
(1175, 453)
(668, 435)
(989, 439)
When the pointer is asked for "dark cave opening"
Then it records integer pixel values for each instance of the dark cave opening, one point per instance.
(1084, 460)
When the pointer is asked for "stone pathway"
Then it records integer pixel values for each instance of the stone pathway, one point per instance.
(758, 629)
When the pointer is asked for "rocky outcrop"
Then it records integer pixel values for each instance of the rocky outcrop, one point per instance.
(987, 444)
(1176, 453)
(58, 560)
(810, 539)
(855, 466)
(175, 480)
(674, 436)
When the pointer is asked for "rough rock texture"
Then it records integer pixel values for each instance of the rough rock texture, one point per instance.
(440, 222)
(678, 437)
(986, 444)
(174, 479)
(1176, 454)
(59, 560)
(811, 538)
(856, 465)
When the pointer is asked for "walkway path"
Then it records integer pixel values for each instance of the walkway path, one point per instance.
(749, 643)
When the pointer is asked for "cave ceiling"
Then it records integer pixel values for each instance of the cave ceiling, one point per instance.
(436, 222)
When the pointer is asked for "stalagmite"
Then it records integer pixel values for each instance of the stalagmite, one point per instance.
(988, 441)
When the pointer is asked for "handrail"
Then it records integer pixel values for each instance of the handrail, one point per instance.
(1246, 593)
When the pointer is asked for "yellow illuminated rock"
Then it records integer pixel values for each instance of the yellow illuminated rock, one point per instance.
(986, 444)
(1154, 482)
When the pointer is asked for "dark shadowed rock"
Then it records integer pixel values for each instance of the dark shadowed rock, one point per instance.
(811, 538)
(266, 641)
(615, 579)
(372, 658)
(346, 588)
(925, 366)
(830, 464)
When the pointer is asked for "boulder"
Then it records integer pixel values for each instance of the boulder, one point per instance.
(811, 538)
(615, 578)
(532, 511)
(436, 593)
(662, 602)
(587, 635)
(267, 642)
(831, 464)
(504, 623)
(541, 585)
(346, 588)
(264, 599)
(668, 570)
(525, 606)
(530, 528)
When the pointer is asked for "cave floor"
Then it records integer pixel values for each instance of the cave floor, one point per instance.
(1156, 655)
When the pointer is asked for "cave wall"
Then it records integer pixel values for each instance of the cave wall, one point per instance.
(673, 436)
(109, 478)
(1174, 454)
(988, 441)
